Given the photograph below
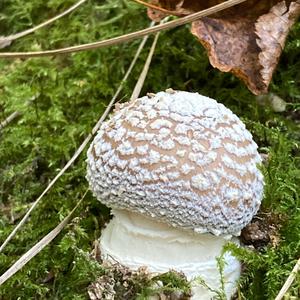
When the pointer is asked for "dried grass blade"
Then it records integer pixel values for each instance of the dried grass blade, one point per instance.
(81, 148)
(140, 83)
(5, 41)
(289, 281)
(51, 235)
(9, 119)
(37, 248)
(166, 11)
(127, 37)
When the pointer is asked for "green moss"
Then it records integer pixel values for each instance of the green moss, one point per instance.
(61, 98)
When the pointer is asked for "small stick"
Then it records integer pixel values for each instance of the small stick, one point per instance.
(289, 281)
(9, 119)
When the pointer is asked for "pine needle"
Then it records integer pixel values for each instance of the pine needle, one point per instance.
(127, 37)
(5, 41)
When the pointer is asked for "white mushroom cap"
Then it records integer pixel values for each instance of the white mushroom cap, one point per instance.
(180, 158)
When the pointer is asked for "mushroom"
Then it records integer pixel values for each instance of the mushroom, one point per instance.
(179, 171)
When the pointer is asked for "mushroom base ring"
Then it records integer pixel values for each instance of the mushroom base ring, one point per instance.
(135, 240)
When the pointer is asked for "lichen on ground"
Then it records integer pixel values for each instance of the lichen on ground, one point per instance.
(60, 99)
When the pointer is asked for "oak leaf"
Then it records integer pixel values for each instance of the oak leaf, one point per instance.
(246, 39)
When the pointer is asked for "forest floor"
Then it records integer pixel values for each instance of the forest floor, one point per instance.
(61, 98)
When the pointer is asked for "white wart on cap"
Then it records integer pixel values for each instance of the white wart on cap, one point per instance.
(180, 158)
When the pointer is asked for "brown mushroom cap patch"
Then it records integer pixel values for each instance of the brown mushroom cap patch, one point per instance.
(178, 157)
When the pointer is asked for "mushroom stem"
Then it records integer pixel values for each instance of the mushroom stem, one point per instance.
(135, 240)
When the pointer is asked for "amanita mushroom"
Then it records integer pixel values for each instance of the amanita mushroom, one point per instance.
(179, 171)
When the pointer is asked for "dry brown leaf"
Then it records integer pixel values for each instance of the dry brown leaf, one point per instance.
(246, 39)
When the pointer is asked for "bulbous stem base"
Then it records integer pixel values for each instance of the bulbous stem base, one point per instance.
(134, 240)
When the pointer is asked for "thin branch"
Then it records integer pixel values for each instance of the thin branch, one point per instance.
(289, 281)
(7, 40)
(9, 119)
(38, 247)
(80, 149)
(163, 10)
(127, 37)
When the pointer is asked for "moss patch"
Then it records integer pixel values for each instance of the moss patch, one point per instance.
(61, 98)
